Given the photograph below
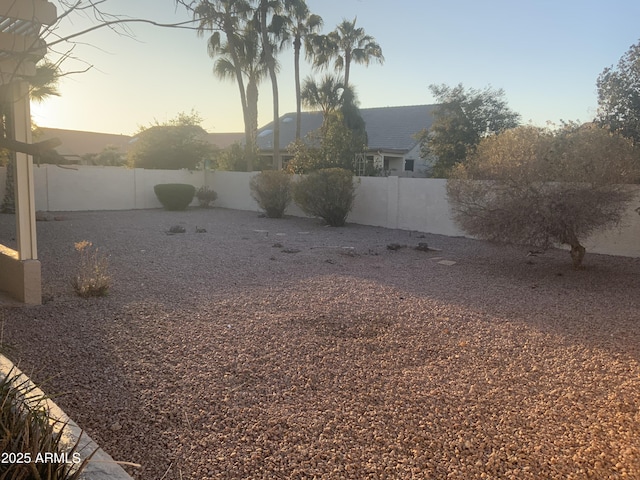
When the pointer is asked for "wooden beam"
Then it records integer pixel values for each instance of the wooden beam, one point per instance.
(29, 148)
(12, 68)
(13, 43)
(39, 11)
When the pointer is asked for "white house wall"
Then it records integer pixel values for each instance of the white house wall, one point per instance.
(418, 204)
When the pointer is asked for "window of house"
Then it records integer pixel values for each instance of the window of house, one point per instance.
(408, 165)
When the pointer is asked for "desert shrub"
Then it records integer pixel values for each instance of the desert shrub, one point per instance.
(272, 190)
(175, 196)
(28, 434)
(206, 196)
(535, 187)
(92, 278)
(326, 193)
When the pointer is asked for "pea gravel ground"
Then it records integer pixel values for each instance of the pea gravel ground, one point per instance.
(284, 349)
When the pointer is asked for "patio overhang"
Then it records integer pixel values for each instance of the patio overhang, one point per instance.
(20, 49)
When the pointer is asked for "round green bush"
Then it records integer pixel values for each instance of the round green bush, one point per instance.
(272, 190)
(175, 196)
(327, 193)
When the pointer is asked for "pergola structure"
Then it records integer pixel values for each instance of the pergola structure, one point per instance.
(20, 49)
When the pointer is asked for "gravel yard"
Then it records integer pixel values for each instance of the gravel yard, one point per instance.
(266, 349)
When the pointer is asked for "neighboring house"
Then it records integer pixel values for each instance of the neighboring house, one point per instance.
(391, 131)
(77, 144)
(224, 140)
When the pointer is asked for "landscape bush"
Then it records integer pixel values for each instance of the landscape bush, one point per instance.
(272, 190)
(532, 186)
(206, 196)
(92, 278)
(327, 193)
(175, 196)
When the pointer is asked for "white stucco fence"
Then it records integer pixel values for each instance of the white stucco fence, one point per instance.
(418, 204)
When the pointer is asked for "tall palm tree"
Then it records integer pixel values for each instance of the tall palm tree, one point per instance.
(265, 10)
(230, 18)
(344, 45)
(249, 53)
(303, 24)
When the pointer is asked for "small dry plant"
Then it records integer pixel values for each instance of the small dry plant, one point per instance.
(91, 279)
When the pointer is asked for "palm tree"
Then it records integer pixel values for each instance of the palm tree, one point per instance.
(249, 54)
(326, 96)
(229, 17)
(303, 25)
(264, 9)
(344, 45)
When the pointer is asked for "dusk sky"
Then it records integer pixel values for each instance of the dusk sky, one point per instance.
(545, 54)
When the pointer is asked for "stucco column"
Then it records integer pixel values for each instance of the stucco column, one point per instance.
(24, 186)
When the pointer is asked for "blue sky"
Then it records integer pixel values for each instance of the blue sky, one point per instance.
(545, 54)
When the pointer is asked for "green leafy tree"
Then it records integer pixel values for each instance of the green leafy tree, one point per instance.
(536, 187)
(110, 156)
(342, 134)
(464, 117)
(346, 44)
(619, 95)
(332, 146)
(179, 143)
(233, 158)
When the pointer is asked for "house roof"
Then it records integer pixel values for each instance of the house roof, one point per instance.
(224, 140)
(76, 143)
(388, 128)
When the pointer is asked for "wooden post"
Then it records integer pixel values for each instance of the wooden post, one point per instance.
(24, 184)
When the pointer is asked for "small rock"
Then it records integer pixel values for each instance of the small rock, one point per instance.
(394, 246)
(116, 426)
(423, 247)
(200, 230)
(277, 245)
(41, 216)
(447, 262)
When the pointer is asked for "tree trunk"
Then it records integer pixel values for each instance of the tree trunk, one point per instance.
(243, 97)
(251, 151)
(297, 44)
(271, 64)
(577, 254)
(347, 67)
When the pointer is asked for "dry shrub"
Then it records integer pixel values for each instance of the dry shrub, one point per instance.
(534, 187)
(92, 278)
(206, 196)
(327, 193)
(272, 190)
